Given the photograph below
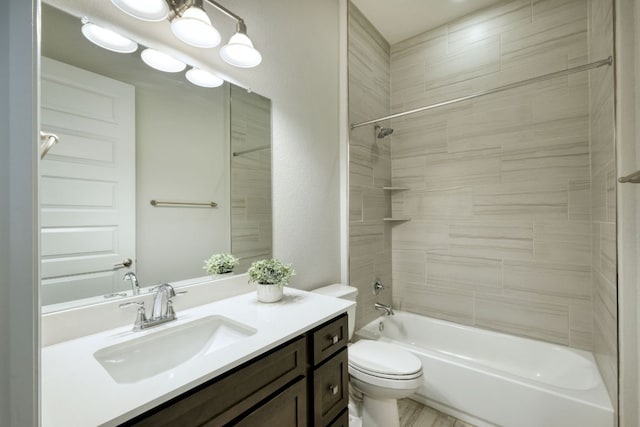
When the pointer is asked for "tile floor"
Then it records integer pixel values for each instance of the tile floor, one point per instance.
(414, 414)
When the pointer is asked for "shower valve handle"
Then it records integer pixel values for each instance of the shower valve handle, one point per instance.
(377, 287)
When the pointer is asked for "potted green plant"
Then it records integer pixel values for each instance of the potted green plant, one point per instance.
(220, 264)
(270, 275)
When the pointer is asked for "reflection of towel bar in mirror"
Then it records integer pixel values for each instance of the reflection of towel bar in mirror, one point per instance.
(250, 150)
(633, 178)
(160, 204)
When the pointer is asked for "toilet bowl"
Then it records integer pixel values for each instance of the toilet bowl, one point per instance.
(382, 373)
(379, 372)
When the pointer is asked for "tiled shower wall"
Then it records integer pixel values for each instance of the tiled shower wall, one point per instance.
(603, 195)
(251, 220)
(500, 193)
(369, 166)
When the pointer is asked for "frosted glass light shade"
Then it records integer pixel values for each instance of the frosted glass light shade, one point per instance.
(203, 78)
(240, 52)
(108, 39)
(161, 61)
(146, 10)
(194, 28)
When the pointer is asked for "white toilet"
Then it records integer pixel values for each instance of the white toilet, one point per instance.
(379, 372)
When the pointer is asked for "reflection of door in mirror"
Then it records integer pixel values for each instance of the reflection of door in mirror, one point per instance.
(87, 183)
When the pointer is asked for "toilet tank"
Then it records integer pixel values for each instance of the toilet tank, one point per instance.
(339, 290)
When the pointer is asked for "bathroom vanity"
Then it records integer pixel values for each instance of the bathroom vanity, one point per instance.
(302, 382)
(274, 364)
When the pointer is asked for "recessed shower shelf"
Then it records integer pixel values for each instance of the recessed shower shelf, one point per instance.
(396, 219)
(395, 188)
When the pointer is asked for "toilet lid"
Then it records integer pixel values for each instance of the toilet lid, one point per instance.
(383, 358)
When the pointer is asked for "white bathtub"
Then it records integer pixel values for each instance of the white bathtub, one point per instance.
(493, 379)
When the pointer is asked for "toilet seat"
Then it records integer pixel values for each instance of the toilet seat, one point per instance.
(384, 364)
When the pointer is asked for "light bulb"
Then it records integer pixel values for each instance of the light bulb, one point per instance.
(107, 39)
(161, 61)
(203, 78)
(240, 52)
(146, 10)
(194, 28)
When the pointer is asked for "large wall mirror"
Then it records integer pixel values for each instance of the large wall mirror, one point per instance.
(130, 135)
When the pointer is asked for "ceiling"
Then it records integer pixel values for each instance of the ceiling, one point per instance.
(398, 20)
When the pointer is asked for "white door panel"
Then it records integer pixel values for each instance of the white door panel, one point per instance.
(60, 267)
(76, 287)
(79, 97)
(81, 240)
(87, 183)
(58, 192)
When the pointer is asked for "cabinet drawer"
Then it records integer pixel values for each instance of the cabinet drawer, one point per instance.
(223, 399)
(330, 389)
(286, 409)
(342, 420)
(330, 339)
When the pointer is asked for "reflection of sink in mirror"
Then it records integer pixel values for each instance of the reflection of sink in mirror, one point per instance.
(156, 352)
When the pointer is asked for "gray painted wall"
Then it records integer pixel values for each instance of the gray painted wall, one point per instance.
(4, 218)
(18, 224)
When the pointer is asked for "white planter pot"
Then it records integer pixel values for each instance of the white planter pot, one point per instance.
(269, 293)
(221, 276)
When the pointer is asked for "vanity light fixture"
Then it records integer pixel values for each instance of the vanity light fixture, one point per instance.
(203, 78)
(240, 52)
(191, 24)
(106, 38)
(161, 61)
(193, 27)
(146, 10)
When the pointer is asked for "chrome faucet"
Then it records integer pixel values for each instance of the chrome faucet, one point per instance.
(162, 304)
(384, 307)
(162, 311)
(135, 286)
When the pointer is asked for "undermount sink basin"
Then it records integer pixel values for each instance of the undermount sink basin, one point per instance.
(156, 352)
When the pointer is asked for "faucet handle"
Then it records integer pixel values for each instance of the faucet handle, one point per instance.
(141, 316)
(140, 304)
(377, 287)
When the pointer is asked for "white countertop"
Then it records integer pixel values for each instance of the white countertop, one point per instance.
(77, 390)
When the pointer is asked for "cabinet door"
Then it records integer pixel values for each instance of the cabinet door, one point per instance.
(286, 409)
(330, 389)
(224, 399)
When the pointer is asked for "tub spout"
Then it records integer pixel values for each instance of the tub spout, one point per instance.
(384, 307)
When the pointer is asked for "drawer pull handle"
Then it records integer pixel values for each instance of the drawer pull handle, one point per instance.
(334, 389)
(333, 338)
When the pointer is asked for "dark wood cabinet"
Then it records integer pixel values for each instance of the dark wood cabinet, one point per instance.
(287, 408)
(330, 389)
(302, 382)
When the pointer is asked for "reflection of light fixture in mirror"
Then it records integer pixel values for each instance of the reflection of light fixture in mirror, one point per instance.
(203, 78)
(107, 39)
(161, 61)
(146, 10)
(193, 27)
(240, 52)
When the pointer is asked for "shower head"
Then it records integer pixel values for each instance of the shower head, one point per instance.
(383, 132)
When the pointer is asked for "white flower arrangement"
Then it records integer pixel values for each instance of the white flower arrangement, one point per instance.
(270, 272)
(220, 263)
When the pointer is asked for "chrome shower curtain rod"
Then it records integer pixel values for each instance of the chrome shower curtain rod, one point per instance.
(542, 78)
